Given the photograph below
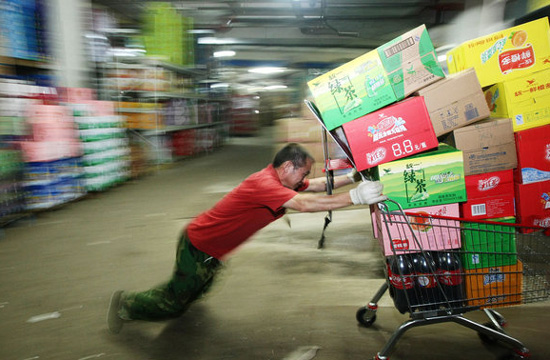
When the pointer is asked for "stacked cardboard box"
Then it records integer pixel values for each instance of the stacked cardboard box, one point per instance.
(489, 134)
(532, 176)
(505, 156)
(513, 65)
(376, 79)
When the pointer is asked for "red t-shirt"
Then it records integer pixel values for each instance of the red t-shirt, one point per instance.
(252, 205)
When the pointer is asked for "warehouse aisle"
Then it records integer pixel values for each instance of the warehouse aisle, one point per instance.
(279, 297)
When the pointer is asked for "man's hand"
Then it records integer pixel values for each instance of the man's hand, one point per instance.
(367, 193)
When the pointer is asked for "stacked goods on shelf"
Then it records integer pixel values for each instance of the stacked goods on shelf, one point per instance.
(141, 116)
(245, 119)
(22, 29)
(166, 34)
(13, 126)
(137, 77)
(12, 197)
(178, 112)
(52, 154)
(104, 142)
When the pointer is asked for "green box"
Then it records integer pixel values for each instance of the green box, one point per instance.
(352, 90)
(431, 178)
(487, 245)
(410, 61)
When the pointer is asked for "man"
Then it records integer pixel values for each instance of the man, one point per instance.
(259, 200)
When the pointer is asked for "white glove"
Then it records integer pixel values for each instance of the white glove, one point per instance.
(367, 193)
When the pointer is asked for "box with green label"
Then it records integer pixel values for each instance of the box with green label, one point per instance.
(431, 178)
(410, 61)
(487, 245)
(352, 90)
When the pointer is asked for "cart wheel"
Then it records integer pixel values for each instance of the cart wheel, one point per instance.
(521, 354)
(366, 316)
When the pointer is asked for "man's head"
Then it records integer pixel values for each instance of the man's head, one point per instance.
(292, 163)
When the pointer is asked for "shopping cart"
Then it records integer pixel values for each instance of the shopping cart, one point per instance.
(440, 267)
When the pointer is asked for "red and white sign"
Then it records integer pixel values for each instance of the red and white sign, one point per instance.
(533, 203)
(533, 152)
(490, 195)
(392, 133)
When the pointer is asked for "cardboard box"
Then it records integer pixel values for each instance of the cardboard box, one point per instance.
(352, 90)
(533, 152)
(455, 101)
(506, 54)
(487, 145)
(410, 62)
(394, 132)
(490, 196)
(432, 178)
(533, 203)
(494, 286)
(525, 100)
(486, 244)
(423, 233)
(297, 130)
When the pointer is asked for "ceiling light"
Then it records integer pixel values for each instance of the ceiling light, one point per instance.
(275, 87)
(224, 53)
(208, 40)
(267, 70)
(219, 85)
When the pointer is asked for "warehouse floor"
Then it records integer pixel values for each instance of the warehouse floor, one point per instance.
(278, 298)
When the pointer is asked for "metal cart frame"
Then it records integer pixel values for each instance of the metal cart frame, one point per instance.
(534, 255)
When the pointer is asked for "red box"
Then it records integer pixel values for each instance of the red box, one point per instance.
(391, 133)
(533, 203)
(533, 152)
(490, 195)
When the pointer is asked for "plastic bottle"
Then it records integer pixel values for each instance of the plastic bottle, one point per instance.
(451, 278)
(401, 278)
(426, 281)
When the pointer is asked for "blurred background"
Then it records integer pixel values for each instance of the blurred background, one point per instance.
(93, 93)
(180, 101)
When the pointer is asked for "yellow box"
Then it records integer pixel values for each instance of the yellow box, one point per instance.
(494, 286)
(504, 55)
(525, 100)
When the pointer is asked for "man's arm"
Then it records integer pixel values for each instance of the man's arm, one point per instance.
(320, 184)
(366, 193)
(314, 202)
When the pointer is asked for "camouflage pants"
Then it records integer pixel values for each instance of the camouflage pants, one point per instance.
(193, 275)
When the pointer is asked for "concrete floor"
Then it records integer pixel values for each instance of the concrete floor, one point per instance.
(278, 297)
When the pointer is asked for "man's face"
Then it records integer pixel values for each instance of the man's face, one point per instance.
(293, 177)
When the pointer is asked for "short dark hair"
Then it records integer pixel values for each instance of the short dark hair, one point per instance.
(293, 152)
